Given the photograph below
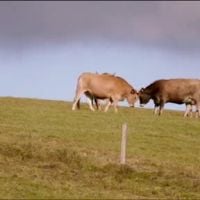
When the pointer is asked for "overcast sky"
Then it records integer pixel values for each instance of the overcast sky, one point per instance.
(44, 46)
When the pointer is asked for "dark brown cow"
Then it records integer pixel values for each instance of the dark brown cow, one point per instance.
(104, 86)
(177, 91)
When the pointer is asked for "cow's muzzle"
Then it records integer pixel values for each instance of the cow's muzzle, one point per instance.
(141, 105)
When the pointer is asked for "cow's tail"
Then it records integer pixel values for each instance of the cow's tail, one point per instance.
(77, 91)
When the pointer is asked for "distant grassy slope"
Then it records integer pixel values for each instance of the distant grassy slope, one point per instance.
(49, 151)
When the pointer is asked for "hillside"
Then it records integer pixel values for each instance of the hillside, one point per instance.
(48, 151)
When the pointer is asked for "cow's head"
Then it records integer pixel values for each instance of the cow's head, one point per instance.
(132, 97)
(144, 97)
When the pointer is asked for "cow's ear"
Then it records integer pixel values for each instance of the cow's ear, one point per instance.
(142, 90)
(133, 91)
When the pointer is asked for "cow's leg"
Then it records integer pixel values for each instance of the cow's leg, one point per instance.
(188, 110)
(90, 99)
(108, 105)
(197, 113)
(156, 109)
(98, 106)
(156, 105)
(191, 110)
(76, 100)
(161, 107)
(197, 110)
(115, 105)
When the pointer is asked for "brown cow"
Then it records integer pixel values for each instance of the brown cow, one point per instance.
(177, 91)
(104, 86)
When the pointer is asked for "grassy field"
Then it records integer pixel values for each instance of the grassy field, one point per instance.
(48, 151)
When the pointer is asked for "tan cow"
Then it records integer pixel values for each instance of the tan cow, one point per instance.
(98, 102)
(104, 86)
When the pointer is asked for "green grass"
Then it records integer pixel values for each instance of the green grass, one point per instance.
(48, 151)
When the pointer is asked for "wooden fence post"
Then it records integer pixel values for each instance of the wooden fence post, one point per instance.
(123, 144)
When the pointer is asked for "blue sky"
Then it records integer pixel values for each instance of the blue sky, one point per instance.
(45, 46)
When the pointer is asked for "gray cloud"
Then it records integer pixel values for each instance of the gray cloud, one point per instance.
(170, 25)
